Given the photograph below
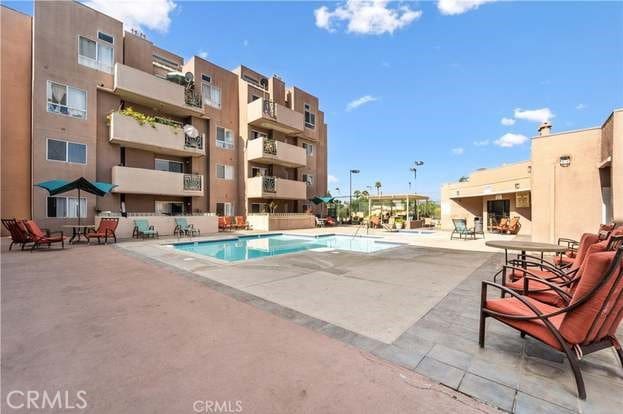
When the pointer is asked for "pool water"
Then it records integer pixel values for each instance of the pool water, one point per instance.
(255, 247)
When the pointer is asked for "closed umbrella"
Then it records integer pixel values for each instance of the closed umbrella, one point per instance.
(55, 187)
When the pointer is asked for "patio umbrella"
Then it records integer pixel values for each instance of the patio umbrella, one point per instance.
(322, 200)
(55, 187)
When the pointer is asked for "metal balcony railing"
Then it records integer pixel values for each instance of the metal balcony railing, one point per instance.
(190, 142)
(192, 182)
(269, 184)
(270, 147)
(268, 108)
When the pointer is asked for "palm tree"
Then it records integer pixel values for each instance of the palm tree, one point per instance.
(378, 186)
(357, 194)
(365, 194)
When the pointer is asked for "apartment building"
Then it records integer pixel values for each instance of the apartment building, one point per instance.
(174, 136)
(572, 183)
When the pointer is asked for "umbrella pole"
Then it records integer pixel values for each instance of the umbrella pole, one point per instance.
(78, 207)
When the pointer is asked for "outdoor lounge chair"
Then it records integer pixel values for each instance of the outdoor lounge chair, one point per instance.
(586, 323)
(241, 223)
(39, 237)
(319, 223)
(513, 226)
(222, 225)
(19, 234)
(143, 229)
(106, 229)
(182, 227)
(460, 228)
(375, 222)
(502, 226)
(229, 222)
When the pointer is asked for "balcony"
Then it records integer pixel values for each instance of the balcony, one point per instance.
(143, 181)
(267, 151)
(268, 114)
(159, 138)
(276, 188)
(146, 89)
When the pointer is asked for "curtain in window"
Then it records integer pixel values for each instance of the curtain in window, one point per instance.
(77, 102)
(88, 48)
(72, 207)
(105, 58)
(57, 94)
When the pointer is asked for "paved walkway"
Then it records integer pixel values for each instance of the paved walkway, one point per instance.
(141, 338)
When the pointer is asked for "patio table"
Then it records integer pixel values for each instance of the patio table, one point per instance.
(525, 246)
(78, 231)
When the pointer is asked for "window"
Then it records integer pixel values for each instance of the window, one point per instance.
(168, 165)
(310, 117)
(105, 37)
(258, 207)
(66, 151)
(170, 208)
(95, 55)
(211, 95)
(309, 148)
(206, 78)
(308, 179)
(225, 172)
(224, 138)
(259, 171)
(257, 134)
(254, 98)
(224, 209)
(66, 207)
(65, 100)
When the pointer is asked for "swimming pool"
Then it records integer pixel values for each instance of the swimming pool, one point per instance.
(255, 247)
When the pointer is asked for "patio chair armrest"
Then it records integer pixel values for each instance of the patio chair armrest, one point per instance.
(563, 295)
(542, 264)
(529, 273)
(569, 242)
(538, 314)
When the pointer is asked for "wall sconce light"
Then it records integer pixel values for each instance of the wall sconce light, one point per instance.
(565, 160)
(516, 186)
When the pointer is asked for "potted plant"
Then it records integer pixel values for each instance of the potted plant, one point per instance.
(398, 223)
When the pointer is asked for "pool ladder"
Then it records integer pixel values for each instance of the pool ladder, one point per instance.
(362, 224)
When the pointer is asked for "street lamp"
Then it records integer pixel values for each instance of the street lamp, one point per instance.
(414, 169)
(350, 195)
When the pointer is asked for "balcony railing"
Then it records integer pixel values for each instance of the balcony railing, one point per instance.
(192, 182)
(196, 143)
(272, 115)
(269, 147)
(268, 108)
(269, 184)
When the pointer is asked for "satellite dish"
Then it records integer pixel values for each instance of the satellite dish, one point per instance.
(191, 131)
(189, 76)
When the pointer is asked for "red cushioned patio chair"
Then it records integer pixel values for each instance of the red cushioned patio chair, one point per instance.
(40, 238)
(106, 229)
(19, 234)
(588, 322)
(241, 223)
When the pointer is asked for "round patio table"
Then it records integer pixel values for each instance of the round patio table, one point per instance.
(78, 231)
(525, 246)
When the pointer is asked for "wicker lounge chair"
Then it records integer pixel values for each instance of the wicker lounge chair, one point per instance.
(143, 229)
(40, 238)
(182, 227)
(106, 229)
(586, 323)
(19, 234)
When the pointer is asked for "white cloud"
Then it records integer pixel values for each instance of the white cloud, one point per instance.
(507, 121)
(138, 14)
(534, 115)
(510, 140)
(458, 151)
(452, 7)
(367, 17)
(332, 179)
(354, 104)
(482, 143)
(580, 106)
(203, 54)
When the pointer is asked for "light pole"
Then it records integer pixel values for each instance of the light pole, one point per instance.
(350, 195)
(414, 169)
(408, 215)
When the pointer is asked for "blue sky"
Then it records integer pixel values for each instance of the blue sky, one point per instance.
(435, 79)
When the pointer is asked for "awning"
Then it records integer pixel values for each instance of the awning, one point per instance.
(322, 200)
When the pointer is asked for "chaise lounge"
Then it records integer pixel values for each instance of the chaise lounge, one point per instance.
(106, 229)
(18, 231)
(143, 229)
(40, 238)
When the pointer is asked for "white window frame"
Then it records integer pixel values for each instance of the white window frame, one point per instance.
(259, 134)
(307, 108)
(224, 144)
(226, 169)
(263, 171)
(309, 149)
(208, 100)
(69, 108)
(227, 206)
(86, 151)
(83, 213)
(89, 62)
(107, 34)
(169, 161)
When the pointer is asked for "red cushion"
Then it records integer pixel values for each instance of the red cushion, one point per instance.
(549, 296)
(577, 324)
(533, 327)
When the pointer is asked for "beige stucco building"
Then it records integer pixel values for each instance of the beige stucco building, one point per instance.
(176, 136)
(572, 183)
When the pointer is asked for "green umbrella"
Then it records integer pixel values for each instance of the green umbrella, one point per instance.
(55, 187)
(322, 200)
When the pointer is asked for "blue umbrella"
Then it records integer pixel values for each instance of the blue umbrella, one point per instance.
(81, 184)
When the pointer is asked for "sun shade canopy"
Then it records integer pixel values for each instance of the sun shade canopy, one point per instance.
(62, 186)
(322, 200)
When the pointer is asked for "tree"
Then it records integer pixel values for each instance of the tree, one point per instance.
(378, 186)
